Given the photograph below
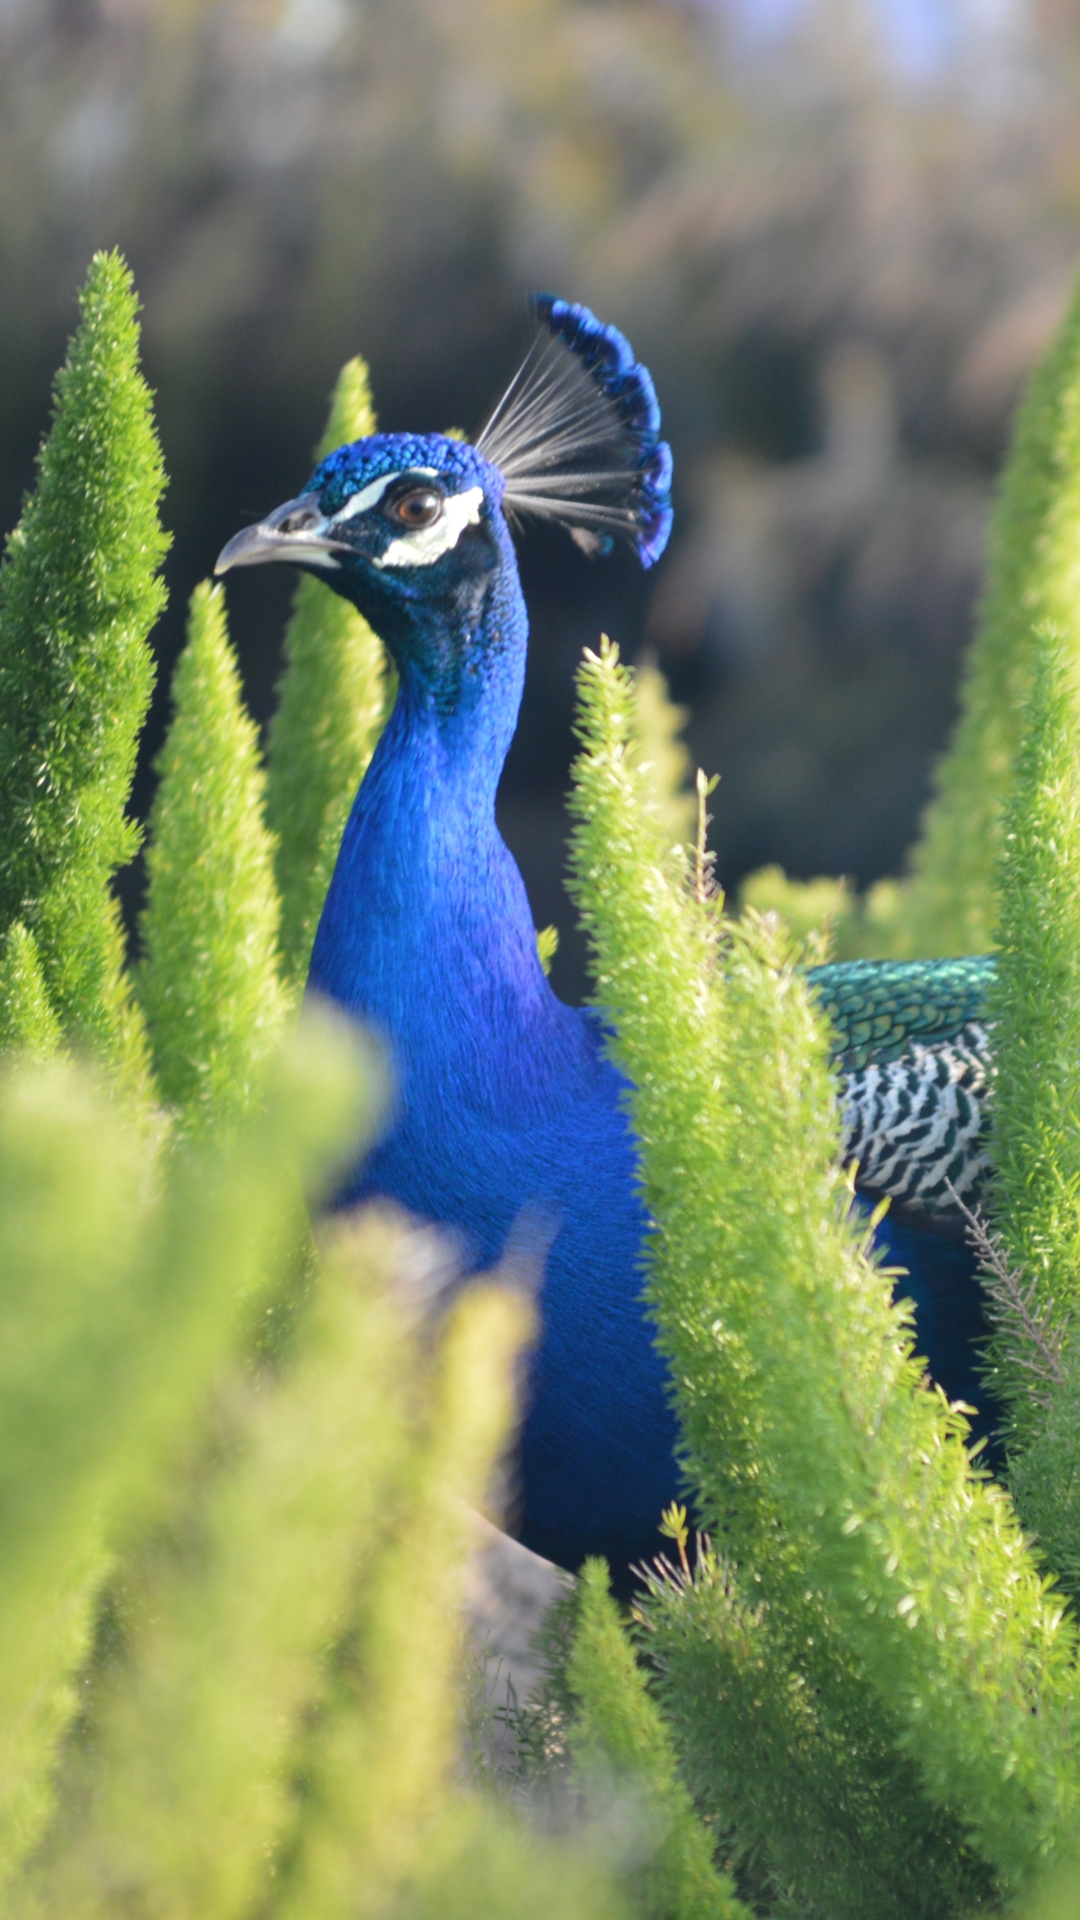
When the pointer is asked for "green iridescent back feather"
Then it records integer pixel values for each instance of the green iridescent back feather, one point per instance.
(878, 1007)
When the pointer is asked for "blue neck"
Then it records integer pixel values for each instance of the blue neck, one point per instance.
(427, 933)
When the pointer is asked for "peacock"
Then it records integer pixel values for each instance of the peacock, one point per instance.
(508, 1108)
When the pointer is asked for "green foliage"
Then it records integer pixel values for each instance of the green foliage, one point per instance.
(621, 1749)
(386, 1741)
(896, 1578)
(333, 699)
(947, 904)
(830, 914)
(123, 1293)
(1044, 1473)
(79, 592)
(175, 1798)
(761, 1723)
(269, 1719)
(208, 981)
(28, 1023)
(547, 946)
(1033, 582)
(232, 1496)
(660, 752)
(1035, 1009)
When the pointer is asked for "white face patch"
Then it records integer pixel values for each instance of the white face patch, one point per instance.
(427, 544)
(370, 495)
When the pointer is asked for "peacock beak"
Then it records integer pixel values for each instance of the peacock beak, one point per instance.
(297, 531)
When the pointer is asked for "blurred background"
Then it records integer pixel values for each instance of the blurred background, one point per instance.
(838, 231)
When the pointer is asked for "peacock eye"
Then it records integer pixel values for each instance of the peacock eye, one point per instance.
(419, 508)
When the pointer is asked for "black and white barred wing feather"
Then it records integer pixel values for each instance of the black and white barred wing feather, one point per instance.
(913, 1052)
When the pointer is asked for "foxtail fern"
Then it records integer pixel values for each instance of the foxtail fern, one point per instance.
(1033, 581)
(28, 1023)
(79, 592)
(380, 1755)
(184, 1802)
(122, 1299)
(332, 702)
(1035, 1010)
(620, 1746)
(840, 1480)
(660, 749)
(208, 980)
(1034, 1260)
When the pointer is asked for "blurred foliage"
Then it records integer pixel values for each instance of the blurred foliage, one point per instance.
(219, 1568)
(850, 926)
(946, 902)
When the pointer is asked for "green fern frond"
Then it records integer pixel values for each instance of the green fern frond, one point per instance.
(333, 700)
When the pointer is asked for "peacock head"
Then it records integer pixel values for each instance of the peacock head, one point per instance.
(414, 529)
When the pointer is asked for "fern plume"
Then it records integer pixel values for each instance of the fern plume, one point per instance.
(621, 1745)
(79, 592)
(840, 1482)
(332, 701)
(28, 1023)
(1033, 581)
(208, 979)
(1035, 1005)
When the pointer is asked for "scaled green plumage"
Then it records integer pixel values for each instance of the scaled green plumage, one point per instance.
(878, 1007)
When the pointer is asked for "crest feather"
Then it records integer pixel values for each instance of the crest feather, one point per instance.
(576, 435)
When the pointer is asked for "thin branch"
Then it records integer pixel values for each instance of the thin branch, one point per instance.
(1020, 1315)
(704, 859)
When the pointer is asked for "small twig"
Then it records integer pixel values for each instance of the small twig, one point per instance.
(1016, 1307)
(704, 861)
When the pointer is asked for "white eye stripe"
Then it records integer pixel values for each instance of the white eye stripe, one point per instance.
(427, 544)
(370, 495)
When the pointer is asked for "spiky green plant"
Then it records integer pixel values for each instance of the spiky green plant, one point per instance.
(622, 1749)
(1033, 1259)
(269, 1721)
(946, 905)
(386, 1743)
(28, 1023)
(1033, 580)
(897, 1578)
(208, 980)
(332, 703)
(121, 1300)
(183, 1794)
(659, 748)
(79, 592)
(1035, 1009)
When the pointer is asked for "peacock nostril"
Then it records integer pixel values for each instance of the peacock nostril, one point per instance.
(299, 520)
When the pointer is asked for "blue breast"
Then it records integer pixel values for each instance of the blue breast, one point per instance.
(504, 1102)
